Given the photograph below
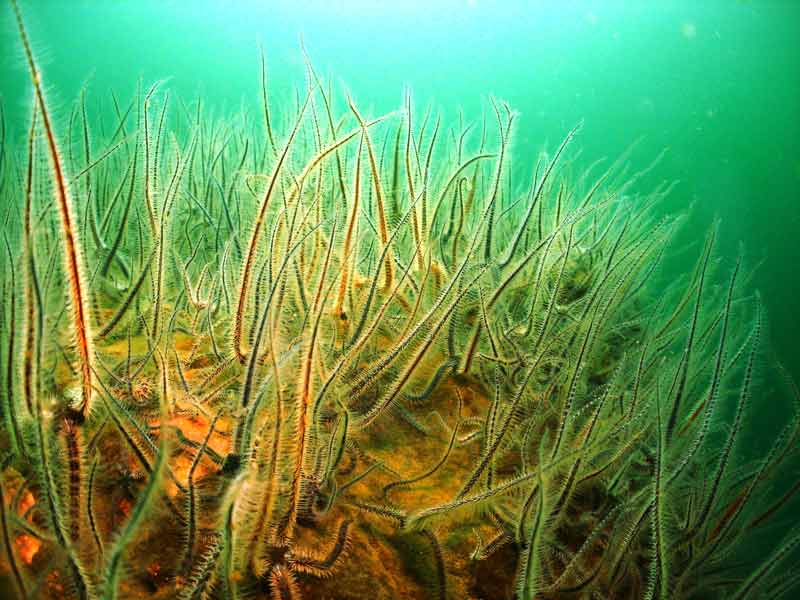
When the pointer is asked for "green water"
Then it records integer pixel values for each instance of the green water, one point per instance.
(713, 86)
(716, 82)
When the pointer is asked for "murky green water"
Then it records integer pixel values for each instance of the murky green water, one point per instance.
(716, 82)
(459, 398)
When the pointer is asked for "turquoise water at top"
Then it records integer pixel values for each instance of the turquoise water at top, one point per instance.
(716, 82)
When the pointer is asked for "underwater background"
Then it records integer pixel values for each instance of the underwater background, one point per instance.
(708, 90)
(716, 83)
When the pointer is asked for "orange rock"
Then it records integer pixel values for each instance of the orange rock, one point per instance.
(27, 501)
(27, 547)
